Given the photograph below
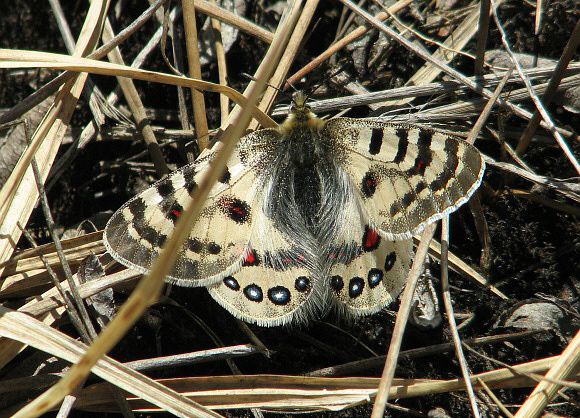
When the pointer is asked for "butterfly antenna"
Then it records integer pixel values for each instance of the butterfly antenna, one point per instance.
(325, 80)
(278, 89)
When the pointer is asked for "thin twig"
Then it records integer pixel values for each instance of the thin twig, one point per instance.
(192, 52)
(451, 318)
(482, 32)
(87, 331)
(495, 398)
(487, 109)
(550, 91)
(67, 302)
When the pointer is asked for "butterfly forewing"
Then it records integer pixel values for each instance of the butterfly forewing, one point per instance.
(407, 176)
(136, 232)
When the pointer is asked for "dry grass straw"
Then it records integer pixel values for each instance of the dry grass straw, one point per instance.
(197, 396)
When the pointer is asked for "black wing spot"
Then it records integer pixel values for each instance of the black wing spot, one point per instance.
(403, 135)
(236, 209)
(225, 177)
(188, 175)
(137, 207)
(355, 287)
(165, 188)
(147, 233)
(302, 284)
(279, 295)
(254, 293)
(376, 141)
(395, 208)
(408, 199)
(194, 245)
(369, 184)
(336, 283)
(174, 212)
(424, 155)
(375, 277)
(231, 283)
(213, 248)
(420, 187)
(390, 261)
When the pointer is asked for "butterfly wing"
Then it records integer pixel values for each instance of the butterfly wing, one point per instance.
(275, 284)
(136, 232)
(406, 176)
(373, 279)
(365, 272)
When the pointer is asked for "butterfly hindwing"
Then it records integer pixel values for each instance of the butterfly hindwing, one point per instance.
(274, 284)
(365, 272)
(136, 232)
(374, 278)
(407, 176)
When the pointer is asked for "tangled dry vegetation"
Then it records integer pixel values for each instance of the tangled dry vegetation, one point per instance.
(99, 123)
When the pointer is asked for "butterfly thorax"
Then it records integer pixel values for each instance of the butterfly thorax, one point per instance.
(301, 177)
(300, 134)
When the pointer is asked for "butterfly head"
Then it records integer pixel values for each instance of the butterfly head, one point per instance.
(300, 114)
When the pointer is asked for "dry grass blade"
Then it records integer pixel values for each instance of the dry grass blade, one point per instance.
(451, 316)
(35, 59)
(222, 66)
(307, 394)
(23, 328)
(191, 44)
(230, 18)
(566, 368)
(483, 28)
(74, 248)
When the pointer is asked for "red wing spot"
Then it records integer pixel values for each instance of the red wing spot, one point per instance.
(371, 239)
(369, 184)
(173, 212)
(236, 209)
(420, 165)
(250, 258)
